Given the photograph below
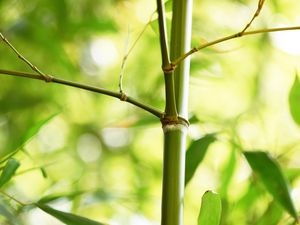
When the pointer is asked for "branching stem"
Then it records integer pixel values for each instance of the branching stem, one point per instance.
(167, 67)
(256, 14)
(233, 36)
(46, 77)
(118, 95)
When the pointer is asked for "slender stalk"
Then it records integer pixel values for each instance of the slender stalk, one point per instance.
(26, 61)
(175, 131)
(170, 108)
(124, 60)
(12, 198)
(181, 43)
(103, 91)
(256, 14)
(229, 37)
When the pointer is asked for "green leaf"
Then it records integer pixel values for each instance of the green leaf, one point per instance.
(211, 209)
(271, 216)
(36, 128)
(30, 134)
(270, 174)
(168, 6)
(67, 218)
(54, 197)
(228, 172)
(9, 170)
(294, 100)
(8, 214)
(195, 155)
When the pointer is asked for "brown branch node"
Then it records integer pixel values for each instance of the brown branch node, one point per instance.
(173, 120)
(123, 97)
(169, 69)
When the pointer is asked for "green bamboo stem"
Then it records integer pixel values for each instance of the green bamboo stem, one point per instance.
(173, 188)
(173, 174)
(175, 132)
(170, 109)
(180, 43)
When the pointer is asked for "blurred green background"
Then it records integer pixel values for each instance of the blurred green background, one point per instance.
(103, 157)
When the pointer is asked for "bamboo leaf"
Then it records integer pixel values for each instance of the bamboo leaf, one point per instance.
(54, 197)
(8, 214)
(272, 215)
(211, 209)
(67, 218)
(9, 170)
(36, 128)
(168, 6)
(29, 134)
(270, 174)
(228, 172)
(294, 100)
(195, 155)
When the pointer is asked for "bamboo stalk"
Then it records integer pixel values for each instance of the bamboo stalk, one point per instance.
(175, 132)
(170, 109)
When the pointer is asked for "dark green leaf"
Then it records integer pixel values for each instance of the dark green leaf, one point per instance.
(294, 100)
(67, 218)
(211, 209)
(270, 174)
(8, 171)
(54, 197)
(44, 172)
(195, 155)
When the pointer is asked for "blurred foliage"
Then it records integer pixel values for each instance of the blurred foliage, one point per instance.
(101, 158)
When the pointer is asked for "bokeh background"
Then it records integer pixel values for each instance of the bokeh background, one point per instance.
(102, 158)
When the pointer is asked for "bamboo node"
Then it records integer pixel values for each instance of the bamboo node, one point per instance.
(123, 97)
(173, 120)
(169, 69)
(47, 78)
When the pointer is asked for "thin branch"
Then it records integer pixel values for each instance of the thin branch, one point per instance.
(46, 77)
(118, 95)
(34, 168)
(256, 14)
(12, 198)
(123, 65)
(170, 107)
(233, 36)
(140, 35)
(163, 34)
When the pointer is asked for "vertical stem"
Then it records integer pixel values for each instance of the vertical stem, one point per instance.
(180, 44)
(173, 174)
(170, 109)
(176, 131)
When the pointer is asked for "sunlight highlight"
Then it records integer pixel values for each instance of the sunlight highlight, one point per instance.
(89, 147)
(287, 41)
(103, 52)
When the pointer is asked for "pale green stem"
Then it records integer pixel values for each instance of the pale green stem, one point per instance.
(175, 131)
(181, 43)
(173, 174)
